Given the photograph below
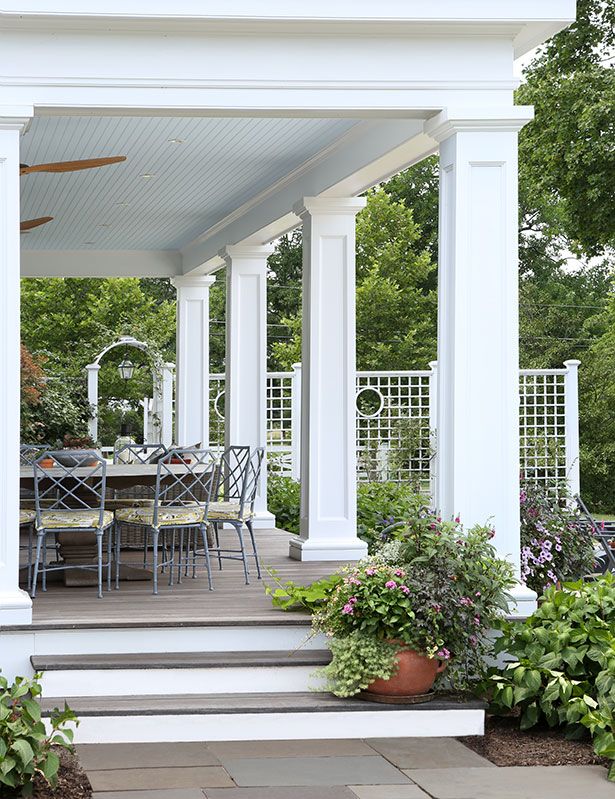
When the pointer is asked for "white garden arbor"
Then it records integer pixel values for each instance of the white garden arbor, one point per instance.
(238, 125)
(161, 410)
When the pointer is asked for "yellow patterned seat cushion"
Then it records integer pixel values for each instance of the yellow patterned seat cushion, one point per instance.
(227, 510)
(26, 516)
(168, 516)
(58, 519)
(126, 502)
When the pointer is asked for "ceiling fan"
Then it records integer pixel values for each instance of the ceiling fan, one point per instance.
(62, 166)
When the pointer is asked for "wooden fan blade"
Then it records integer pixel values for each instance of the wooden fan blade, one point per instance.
(71, 166)
(28, 224)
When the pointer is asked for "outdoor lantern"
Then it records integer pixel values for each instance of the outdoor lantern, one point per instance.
(126, 369)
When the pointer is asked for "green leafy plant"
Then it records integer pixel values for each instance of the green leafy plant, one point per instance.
(357, 661)
(562, 667)
(379, 505)
(283, 500)
(25, 747)
(288, 595)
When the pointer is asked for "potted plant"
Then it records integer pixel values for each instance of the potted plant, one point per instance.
(71, 443)
(424, 601)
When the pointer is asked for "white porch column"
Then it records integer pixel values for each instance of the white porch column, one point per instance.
(93, 369)
(245, 401)
(192, 383)
(15, 604)
(166, 421)
(328, 447)
(478, 349)
(571, 401)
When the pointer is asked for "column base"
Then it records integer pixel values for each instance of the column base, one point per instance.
(263, 520)
(15, 608)
(523, 602)
(343, 549)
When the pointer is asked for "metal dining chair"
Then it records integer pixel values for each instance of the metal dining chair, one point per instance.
(27, 518)
(28, 453)
(185, 480)
(139, 453)
(240, 472)
(71, 498)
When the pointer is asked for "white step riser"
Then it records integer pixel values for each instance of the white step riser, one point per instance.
(273, 726)
(168, 682)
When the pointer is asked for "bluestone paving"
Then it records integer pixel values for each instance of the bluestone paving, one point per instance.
(366, 770)
(515, 782)
(101, 757)
(322, 792)
(173, 793)
(388, 792)
(410, 753)
(140, 779)
(226, 750)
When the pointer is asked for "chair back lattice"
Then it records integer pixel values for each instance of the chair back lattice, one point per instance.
(185, 477)
(253, 474)
(78, 486)
(28, 453)
(232, 476)
(139, 453)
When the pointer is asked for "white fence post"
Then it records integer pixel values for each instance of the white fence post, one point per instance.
(571, 402)
(92, 370)
(433, 430)
(295, 422)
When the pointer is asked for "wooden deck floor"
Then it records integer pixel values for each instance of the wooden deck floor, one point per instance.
(191, 603)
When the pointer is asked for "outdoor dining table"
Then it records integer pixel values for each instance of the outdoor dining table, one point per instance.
(79, 547)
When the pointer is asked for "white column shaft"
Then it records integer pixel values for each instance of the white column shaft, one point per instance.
(15, 604)
(328, 447)
(166, 421)
(192, 383)
(478, 351)
(571, 399)
(93, 369)
(245, 399)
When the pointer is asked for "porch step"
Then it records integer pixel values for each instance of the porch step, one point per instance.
(261, 716)
(168, 673)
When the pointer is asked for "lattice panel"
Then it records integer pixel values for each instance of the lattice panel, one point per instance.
(216, 411)
(279, 421)
(393, 434)
(542, 420)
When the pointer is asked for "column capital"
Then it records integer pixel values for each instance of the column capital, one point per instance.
(193, 281)
(340, 206)
(233, 251)
(492, 120)
(16, 117)
(91, 367)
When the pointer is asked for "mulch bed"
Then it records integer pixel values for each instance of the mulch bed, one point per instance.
(72, 780)
(506, 745)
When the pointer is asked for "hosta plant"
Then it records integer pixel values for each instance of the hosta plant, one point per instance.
(25, 746)
(561, 667)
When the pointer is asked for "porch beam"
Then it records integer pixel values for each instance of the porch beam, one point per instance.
(15, 604)
(100, 263)
(328, 529)
(192, 385)
(478, 324)
(245, 398)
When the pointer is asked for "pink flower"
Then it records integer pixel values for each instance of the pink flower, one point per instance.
(443, 654)
(354, 581)
(477, 621)
(436, 607)
(478, 593)
(404, 589)
(473, 640)
(370, 572)
(390, 584)
(399, 572)
(466, 601)
(348, 609)
(352, 600)
(457, 519)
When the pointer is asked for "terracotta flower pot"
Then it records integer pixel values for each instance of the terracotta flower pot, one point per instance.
(416, 675)
(47, 463)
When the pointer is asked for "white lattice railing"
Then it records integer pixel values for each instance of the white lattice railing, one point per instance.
(396, 427)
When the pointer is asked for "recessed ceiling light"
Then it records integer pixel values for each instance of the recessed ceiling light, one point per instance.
(175, 141)
(123, 204)
(147, 175)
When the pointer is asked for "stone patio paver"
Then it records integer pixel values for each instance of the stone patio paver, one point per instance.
(367, 770)
(171, 793)
(321, 792)
(100, 757)
(226, 750)
(388, 792)
(410, 753)
(515, 782)
(135, 779)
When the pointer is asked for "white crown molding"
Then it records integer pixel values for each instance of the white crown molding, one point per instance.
(345, 206)
(451, 121)
(193, 281)
(16, 117)
(247, 251)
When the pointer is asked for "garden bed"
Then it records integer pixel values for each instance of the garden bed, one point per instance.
(506, 745)
(72, 780)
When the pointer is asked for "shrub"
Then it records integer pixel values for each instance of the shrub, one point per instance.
(554, 547)
(283, 500)
(562, 667)
(25, 747)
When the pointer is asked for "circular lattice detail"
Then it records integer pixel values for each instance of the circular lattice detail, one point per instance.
(370, 402)
(219, 404)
